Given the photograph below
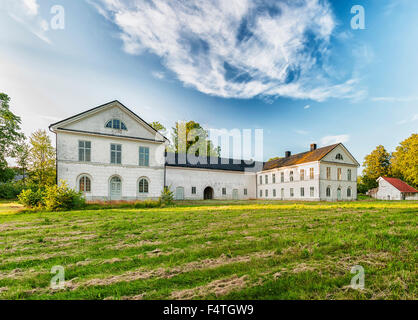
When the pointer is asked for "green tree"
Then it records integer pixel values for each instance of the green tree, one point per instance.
(22, 158)
(187, 135)
(376, 164)
(159, 127)
(10, 133)
(404, 162)
(41, 159)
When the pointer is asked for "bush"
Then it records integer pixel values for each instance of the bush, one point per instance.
(32, 199)
(10, 190)
(167, 196)
(60, 197)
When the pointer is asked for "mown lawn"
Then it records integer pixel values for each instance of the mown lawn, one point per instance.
(202, 250)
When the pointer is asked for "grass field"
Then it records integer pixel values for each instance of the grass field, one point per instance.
(202, 250)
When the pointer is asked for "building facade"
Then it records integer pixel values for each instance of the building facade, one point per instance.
(110, 153)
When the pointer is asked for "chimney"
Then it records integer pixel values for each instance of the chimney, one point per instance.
(313, 146)
(287, 154)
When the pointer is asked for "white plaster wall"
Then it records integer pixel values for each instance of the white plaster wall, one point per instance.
(97, 121)
(386, 190)
(100, 170)
(334, 183)
(217, 179)
(296, 184)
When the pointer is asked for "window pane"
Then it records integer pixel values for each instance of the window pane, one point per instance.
(80, 155)
(116, 124)
(112, 147)
(119, 158)
(112, 157)
(87, 155)
(123, 127)
(109, 124)
(87, 144)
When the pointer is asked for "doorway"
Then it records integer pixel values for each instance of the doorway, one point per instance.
(235, 194)
(339, 194)
(208, 193)
(179, 193)
(115, 188)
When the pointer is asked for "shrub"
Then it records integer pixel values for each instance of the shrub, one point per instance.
(10, 190)
(31, 199)
(167, 196)
(60, 197)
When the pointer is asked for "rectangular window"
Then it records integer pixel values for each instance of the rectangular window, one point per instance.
(312, 192)
(84, 151)
(261, 179)
(302, 192)
(291, 176)
(267, 179)
(193, 190)
(144, 156)
(339, 174)
(311, 173)
(282, 177)
(261, 193)
(274, 178)
(267, 193)
(223, 191)
(274, 192)
(116, 153)
(349, 174)
(292, 192)
(245, 192)
(302, 174)
(328, 173)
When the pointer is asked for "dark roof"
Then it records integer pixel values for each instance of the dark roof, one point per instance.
(400, 185)
(299, 158)
(102, 105)
(213, 163)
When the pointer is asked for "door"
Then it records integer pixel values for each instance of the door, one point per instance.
(179, 193)
(235, 194)
(115, 188)
(339, 194)
(282, 194)
(208, 193)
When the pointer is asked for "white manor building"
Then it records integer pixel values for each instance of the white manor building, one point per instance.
(109, 152)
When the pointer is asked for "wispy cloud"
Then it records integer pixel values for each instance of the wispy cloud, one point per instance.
(307, 106)
(158, 75)
(410, 120)
(327, 140)
(302, 132)
(26, 12)
(395, 99)
(235, 48)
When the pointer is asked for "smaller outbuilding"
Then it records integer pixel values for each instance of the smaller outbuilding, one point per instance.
(394, 189)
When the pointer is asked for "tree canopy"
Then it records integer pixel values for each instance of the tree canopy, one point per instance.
(10, 134)
(404, 161)
(376, 164)
(191, 137)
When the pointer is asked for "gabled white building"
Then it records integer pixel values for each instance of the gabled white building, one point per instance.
(109, 152)
(394, 189)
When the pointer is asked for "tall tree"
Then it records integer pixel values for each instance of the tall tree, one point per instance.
(41, 159)
(376, 164)
(159, 127)
(9, 131)
(22, 158)
(190, 136)
(405, 160)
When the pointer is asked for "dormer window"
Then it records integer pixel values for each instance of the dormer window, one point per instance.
(339, 156)
(116, 124)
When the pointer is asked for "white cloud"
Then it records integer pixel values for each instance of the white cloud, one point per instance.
(158, 75)
(328, 140)
(26, 12)
(307, 106)
(395, 99)
(410, 120)
(235, 48)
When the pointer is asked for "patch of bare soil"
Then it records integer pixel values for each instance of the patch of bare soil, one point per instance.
(218, 287)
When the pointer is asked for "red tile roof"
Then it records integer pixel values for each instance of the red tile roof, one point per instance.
(400, 185)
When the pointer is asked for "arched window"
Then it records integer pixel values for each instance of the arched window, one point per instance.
(339, 156)
(349, 192)
(84, 184)
(328, 191)
(116, 124)
(143, 185)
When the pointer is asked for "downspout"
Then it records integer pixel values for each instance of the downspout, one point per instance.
(165, 169)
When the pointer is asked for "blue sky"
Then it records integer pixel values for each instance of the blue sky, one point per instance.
(295, 69)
